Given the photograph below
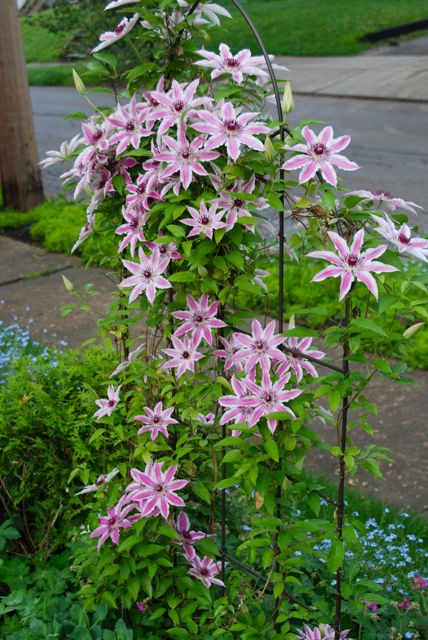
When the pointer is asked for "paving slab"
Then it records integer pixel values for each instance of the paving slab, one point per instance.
(385, 77)
(21, 260)
(37, 303)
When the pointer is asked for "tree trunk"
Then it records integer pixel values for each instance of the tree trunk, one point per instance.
(20, 177)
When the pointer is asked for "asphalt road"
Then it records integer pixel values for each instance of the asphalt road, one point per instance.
(389, 139)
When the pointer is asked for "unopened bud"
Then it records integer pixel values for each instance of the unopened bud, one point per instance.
(78, 82)
(411, 331)
(287, 98)
(269, 149)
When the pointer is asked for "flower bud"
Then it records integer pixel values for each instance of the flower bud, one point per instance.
(287, 98)
(269, 149)
(414, 329)
(78, 82)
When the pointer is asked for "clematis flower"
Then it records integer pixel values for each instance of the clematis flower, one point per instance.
(384, 200)
(323, 632)
(110, 525)
(230, 349)
(119, 3)
(350, 264)
(132, 229)
(156, 420)
(97, 136)
(259, 348)
(238, 65)
(128, 360)
(258, 275)
(66, 149)
(205, 569)
(175, 103)
(138, 194)
(319, 154)
(419, 583)
(156, 489)
(186, 538)
(204, 221)
(200, 320)
(298, 363)
(268, 398)
(166, 249)
(129, 121)
(183, 355)
(185, 157)
(147, 275)
(234, 206)
(230, 129)
(237, 409)
(102, 480)
(107, 405)
(110, 37)
(207, 420)
(401, 238)
(85, 232)
(208, 9)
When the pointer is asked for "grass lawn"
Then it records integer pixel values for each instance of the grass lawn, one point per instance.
(59, 75)
(40, 45)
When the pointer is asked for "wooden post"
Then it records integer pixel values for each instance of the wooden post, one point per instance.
(20, 177)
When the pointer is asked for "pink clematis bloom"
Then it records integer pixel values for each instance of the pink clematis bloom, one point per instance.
(230, 349)
(107, 405)
(132, 229)
(350, 264)
(419, 583)
(110, 524)
(128, 120)
(200, 320)
(128, 360)
(66, 149)
(156, 420)
(205, 570)
(175, 104)
(186, 538)
(119, 3)
(147, 275)
(230, 129)
(320, 154)
(110, 37)
(183, 355)
(384, 200)
(298, 363)
(157, 489)
(85, 231)
(205, 220)
(97, 135)
(235, 207)
(208, 9)
(259, 348)
(237, 409)
(323, 632)
(401, 238)
(185, 157)
(102, 480)
(235, 65)
(138, 194)
(166, 249)
(207, 420)
(268, 398)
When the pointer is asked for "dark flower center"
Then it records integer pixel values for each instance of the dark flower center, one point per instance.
(185, 355)
(267, 397)
(185, 154)
(179, 106)
(238, 203)
(119, 29)
(163, 248)
(111, 403)
(152, 101)
(147, 274)
(403, 238)
(198, 318)
(232, 126)
(130, 126)
(134, 223)
(319, 149)
(112, 521)
(186, 535)
(260, 345)
(156, 419)
(98, 135)
(100, 481)
(204, 572)
(353, 260)
(232, 62)
(205, 220)
(382, 193)
(159, 488)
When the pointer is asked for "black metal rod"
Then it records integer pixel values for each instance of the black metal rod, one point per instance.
(342, 471)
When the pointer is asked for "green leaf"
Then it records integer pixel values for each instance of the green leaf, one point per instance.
(272, 450)
(176, 230)
(201, 491)
(368, 325)
(334, 400)
(182, 276)
(336, 555)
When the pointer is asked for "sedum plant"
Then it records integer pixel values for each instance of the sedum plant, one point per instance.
(199, 534)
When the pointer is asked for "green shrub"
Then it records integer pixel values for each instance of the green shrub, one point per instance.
(45, 432)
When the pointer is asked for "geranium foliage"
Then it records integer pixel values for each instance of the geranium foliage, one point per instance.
(199, 532)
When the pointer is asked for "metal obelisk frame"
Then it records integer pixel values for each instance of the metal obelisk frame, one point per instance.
(344, 370)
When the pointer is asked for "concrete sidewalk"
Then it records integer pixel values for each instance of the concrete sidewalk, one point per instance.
(377, 77)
